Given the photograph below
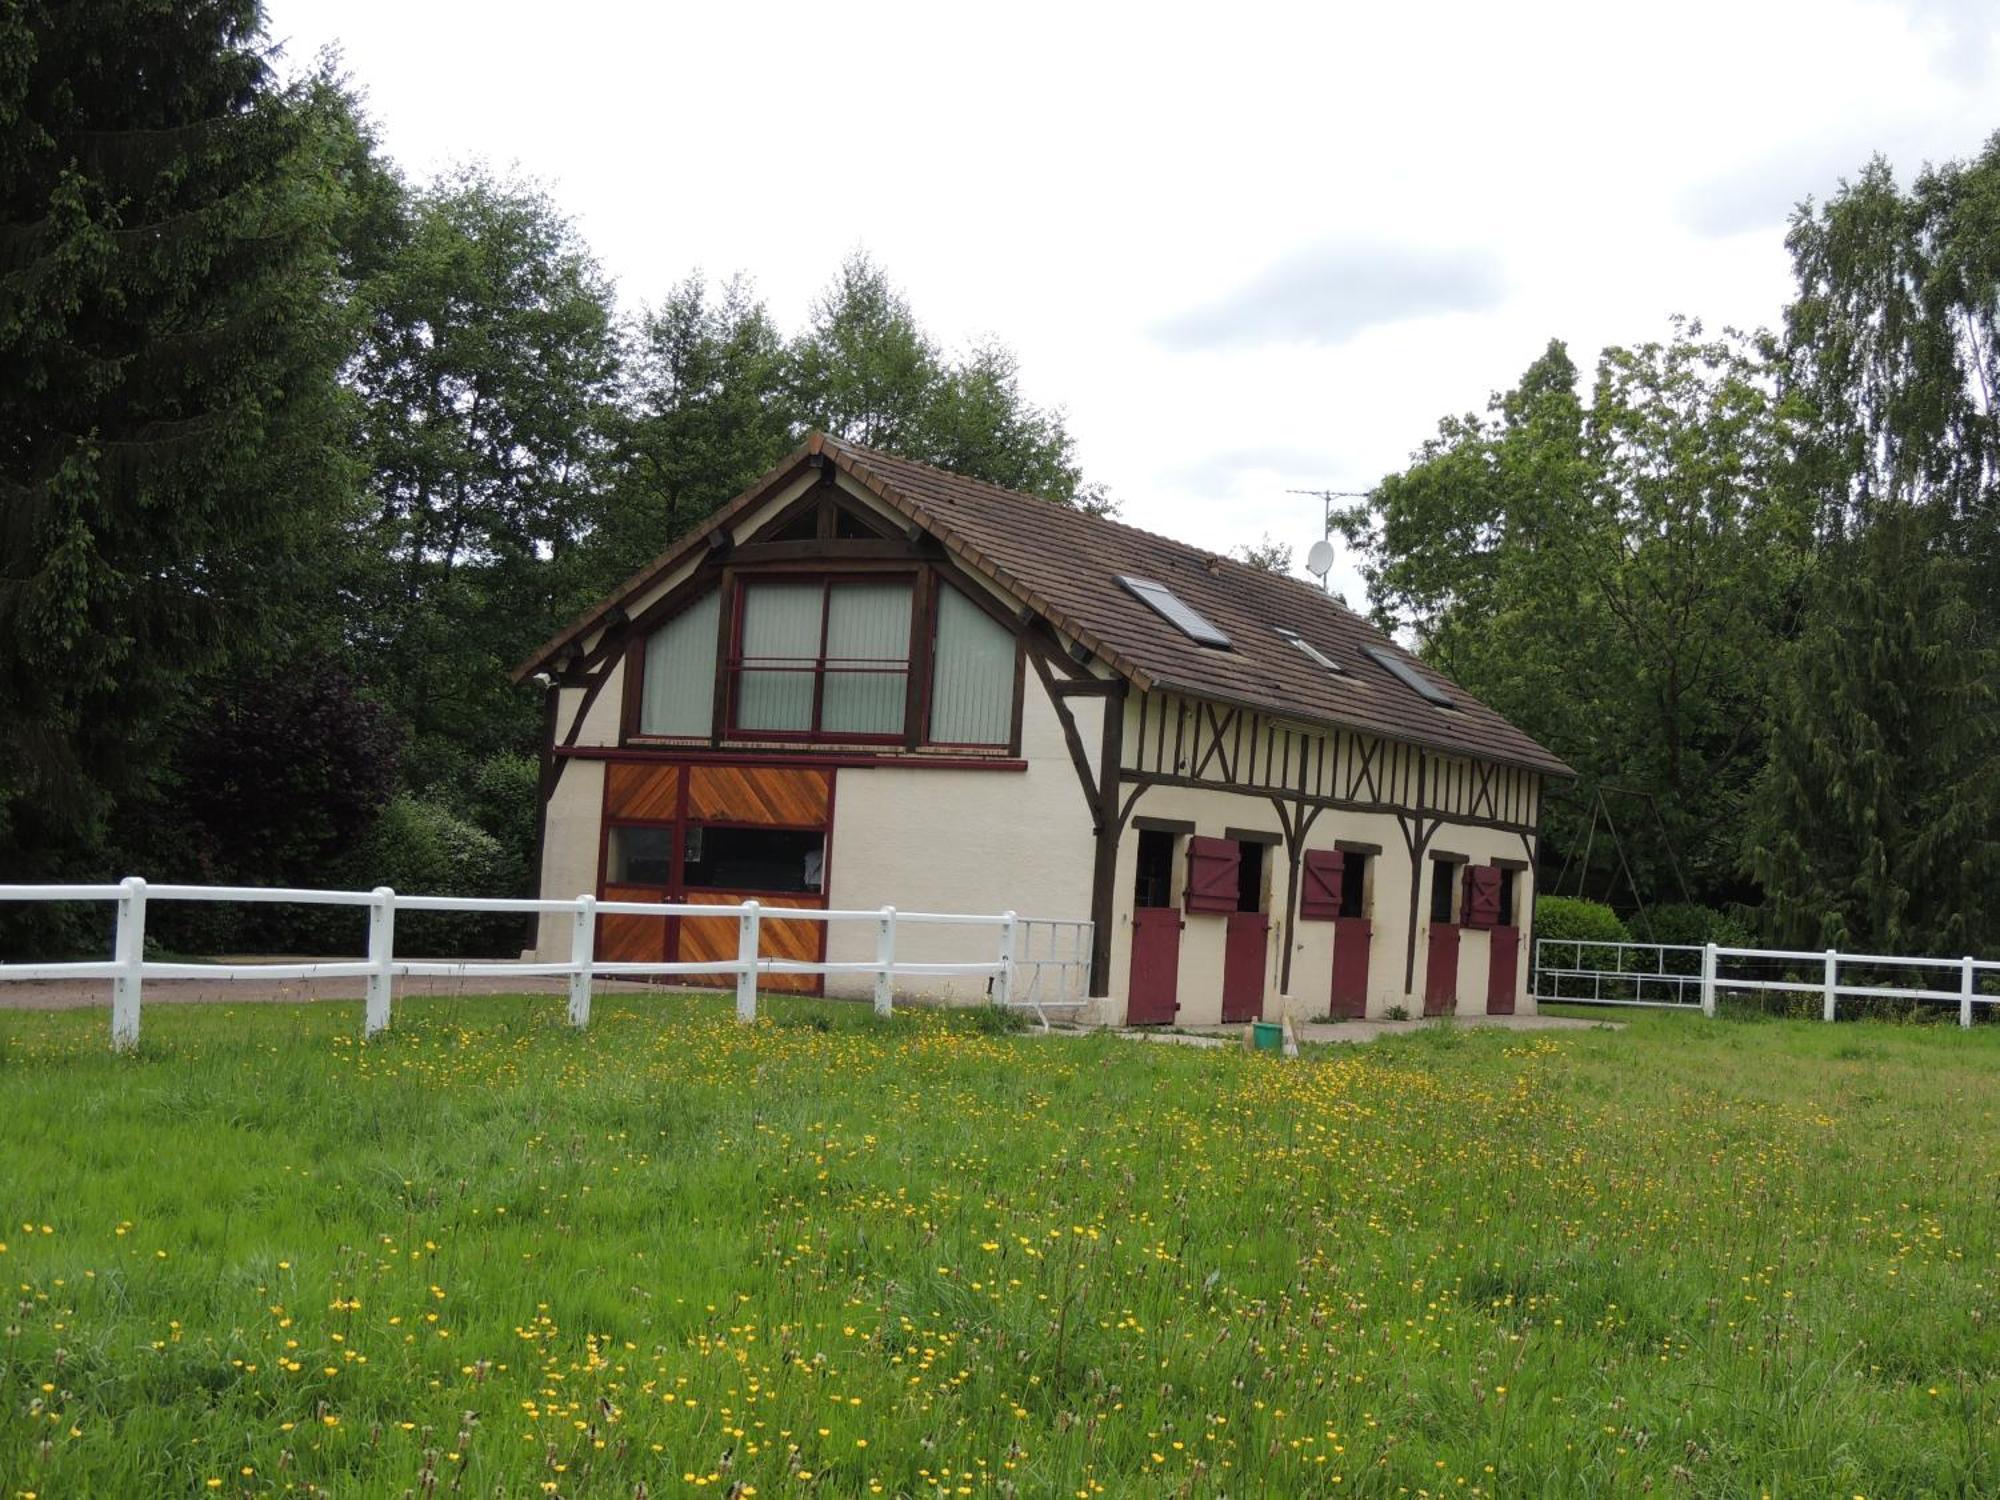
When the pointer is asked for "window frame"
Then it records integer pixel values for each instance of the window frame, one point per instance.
(633, 710)
(729, 665)
(926, 576)
(929, 614)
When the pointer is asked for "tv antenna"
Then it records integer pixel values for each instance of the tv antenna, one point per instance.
(1326, 499)
(1319, 558)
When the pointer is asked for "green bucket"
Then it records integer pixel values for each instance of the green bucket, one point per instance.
(1267, 1036)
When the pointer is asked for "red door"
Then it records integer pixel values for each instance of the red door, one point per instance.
(1502, 975)
(1156, 966)
(1351, 939)
(1441, 971)
(1243, 946)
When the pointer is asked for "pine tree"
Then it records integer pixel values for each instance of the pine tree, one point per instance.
(706, 412)
(1877, 820)
(172, 316)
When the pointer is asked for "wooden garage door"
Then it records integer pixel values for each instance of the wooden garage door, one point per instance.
(716, 937)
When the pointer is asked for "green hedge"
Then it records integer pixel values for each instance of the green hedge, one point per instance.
(424, 848)
(1571, 918)
(1687, 922)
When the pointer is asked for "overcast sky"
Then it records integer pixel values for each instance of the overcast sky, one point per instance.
(1247, 248)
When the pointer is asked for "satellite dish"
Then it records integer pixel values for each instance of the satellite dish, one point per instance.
(1319, 559)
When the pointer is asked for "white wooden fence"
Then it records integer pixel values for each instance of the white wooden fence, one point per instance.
(1683, 976)
(129, 968)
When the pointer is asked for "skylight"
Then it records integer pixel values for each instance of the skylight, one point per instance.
(1171, 608)
(1309, 648)
(1410, 676)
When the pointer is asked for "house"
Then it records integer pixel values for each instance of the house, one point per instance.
(869, 682)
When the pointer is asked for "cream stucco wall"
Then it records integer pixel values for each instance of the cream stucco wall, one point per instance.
(569, 852)
(962, 841)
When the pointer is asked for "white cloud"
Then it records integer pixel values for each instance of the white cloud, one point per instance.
(1325, 294)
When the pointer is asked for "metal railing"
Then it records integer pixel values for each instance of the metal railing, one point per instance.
(1663, 976)
(1682, 976)
(1060, 978)
(129, 968)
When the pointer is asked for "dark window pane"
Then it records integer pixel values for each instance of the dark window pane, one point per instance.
(1155, 885)
(753, 859)
(641, 856)
(1443, 875)
(1506, 898)
(1353, 884)
(803, 527)
(1249, 877)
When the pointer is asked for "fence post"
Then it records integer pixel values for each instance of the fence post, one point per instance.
(128, 951)
(1708, 979)
(1003, 982)
(885, 960)
(1827, 985)
(381, 954)
(1965, 984)
(746, 959)
(582, 947)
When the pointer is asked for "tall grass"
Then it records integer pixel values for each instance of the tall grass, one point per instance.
(827, 1255)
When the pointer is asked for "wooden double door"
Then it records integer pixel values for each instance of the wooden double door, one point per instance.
(1225, 880)
(715, 835)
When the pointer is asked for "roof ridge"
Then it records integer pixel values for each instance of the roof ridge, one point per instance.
(862, 453)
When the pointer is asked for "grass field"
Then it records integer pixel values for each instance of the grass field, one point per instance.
(831, 1256)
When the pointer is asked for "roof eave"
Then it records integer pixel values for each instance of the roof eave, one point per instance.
(781, 474)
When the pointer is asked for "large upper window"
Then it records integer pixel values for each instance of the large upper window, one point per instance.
(679, 692)
(826, 657)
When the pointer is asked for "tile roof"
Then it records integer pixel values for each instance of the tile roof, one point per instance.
(1065, 564)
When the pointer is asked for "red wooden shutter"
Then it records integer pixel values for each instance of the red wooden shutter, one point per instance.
(1319, 889)
(1211, 882)
(1482, 896)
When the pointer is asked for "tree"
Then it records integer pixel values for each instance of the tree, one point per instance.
(1876, 823)
(279, 773)
(172, 316)
(1894, 343)
(1265, 555)
(865, 370)
(978, 422)
(706, 410)
(1877, 817)
(487, 382)
(1610, 577)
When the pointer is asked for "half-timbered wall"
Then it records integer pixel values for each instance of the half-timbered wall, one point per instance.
(1190, 741)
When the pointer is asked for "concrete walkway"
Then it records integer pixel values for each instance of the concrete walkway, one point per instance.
(1363, 1031)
